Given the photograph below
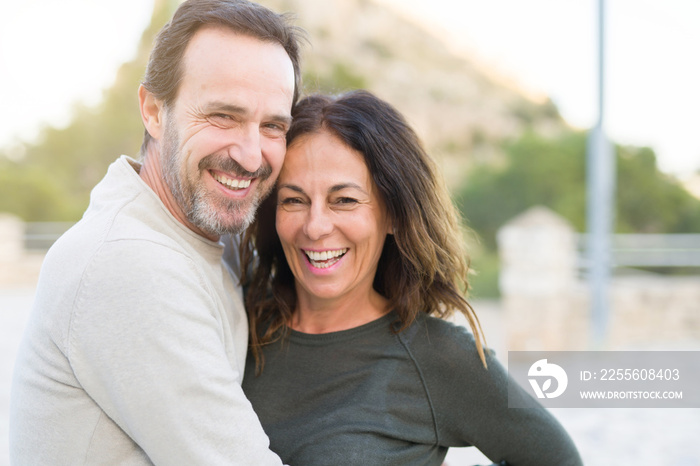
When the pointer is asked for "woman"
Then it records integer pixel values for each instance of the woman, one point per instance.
(360, 255)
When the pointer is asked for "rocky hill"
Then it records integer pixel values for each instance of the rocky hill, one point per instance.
(459, 110)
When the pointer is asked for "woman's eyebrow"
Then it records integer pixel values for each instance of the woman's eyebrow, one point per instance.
(341, 186)
(293, 187)
(332, 189)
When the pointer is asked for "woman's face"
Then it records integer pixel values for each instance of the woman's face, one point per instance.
(330, 219)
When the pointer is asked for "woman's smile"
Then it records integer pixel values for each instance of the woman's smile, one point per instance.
(324, 259)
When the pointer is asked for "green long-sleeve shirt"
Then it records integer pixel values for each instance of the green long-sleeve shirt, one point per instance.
(369, 396)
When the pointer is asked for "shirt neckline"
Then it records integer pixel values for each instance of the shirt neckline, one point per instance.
(342, 335)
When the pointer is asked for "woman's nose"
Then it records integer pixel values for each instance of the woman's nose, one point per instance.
(318, 223)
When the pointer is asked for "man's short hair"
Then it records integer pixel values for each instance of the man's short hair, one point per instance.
(164, 70)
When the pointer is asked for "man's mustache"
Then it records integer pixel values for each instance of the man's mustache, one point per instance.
(227, 164)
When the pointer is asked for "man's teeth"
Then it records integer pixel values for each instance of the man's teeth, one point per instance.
(231, 183)
(325, 259)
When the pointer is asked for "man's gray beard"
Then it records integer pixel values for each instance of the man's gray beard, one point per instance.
(200, 209)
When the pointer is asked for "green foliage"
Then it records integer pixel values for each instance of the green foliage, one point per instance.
(379, 48)
(539, 172)
(53, 180)
(530, 113)
(650, 202)
(340, 78)
(34, 194)
(551, 172)
(483, 278)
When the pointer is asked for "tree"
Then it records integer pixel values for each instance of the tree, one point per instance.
(53, 180)
(537, 171)
(552, 172)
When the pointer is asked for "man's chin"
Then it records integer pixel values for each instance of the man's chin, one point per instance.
(217, 216)
(217, 223)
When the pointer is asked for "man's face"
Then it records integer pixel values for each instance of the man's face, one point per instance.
(224, 139)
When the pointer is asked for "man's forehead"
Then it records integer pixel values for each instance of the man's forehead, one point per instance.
(219, 55)
(224, 69)
(218, 43)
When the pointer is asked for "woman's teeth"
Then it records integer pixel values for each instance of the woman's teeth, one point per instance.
(325, 259)
(231, 183)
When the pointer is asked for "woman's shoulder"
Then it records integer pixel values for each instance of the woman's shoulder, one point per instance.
(446, 356)
(441, 342)
(432, 330)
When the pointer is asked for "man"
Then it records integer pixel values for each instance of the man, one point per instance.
(135, 349)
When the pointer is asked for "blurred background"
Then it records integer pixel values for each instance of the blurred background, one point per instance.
(503, 94)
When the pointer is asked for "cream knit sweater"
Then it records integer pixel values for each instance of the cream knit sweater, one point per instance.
(135, 349)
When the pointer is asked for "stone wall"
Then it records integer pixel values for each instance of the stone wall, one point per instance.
(546, 303)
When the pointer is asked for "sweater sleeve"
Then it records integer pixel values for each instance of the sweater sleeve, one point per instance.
(148, 346)
(470, 402)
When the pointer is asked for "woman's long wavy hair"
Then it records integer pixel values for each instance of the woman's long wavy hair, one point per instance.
(423, 266)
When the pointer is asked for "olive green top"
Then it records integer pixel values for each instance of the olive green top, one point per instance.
(370, 396)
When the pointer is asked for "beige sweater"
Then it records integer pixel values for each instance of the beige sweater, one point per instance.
(135, 349)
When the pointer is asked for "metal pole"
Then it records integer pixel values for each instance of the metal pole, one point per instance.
(600, 203)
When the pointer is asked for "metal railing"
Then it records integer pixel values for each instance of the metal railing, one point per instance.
(39, 236)
(650, 250)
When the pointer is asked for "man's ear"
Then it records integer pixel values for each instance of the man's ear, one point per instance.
(152, 113)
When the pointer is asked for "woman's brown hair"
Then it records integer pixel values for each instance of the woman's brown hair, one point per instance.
(423, 266)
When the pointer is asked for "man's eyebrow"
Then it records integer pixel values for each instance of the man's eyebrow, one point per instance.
(238, 110)
(285, 119)
(224, 107)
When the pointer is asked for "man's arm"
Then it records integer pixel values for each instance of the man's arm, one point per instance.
(149, 344)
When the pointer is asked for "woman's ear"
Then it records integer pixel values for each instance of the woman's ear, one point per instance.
(390, 228)
(151, 112)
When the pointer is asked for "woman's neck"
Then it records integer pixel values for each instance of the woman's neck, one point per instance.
(325, 316)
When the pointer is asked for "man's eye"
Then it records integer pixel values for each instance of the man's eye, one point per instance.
(274, 129)
(221, 120)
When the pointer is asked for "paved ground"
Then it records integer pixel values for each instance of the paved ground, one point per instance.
(605, 437)
(14, 308)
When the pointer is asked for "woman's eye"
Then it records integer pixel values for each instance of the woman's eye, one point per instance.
(291, 203)
(345, 203)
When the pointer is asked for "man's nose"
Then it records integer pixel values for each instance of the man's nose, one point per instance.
(319, 223)
(247, 148)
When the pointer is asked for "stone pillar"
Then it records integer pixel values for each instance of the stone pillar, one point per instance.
(543, 303)
(11, 239)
